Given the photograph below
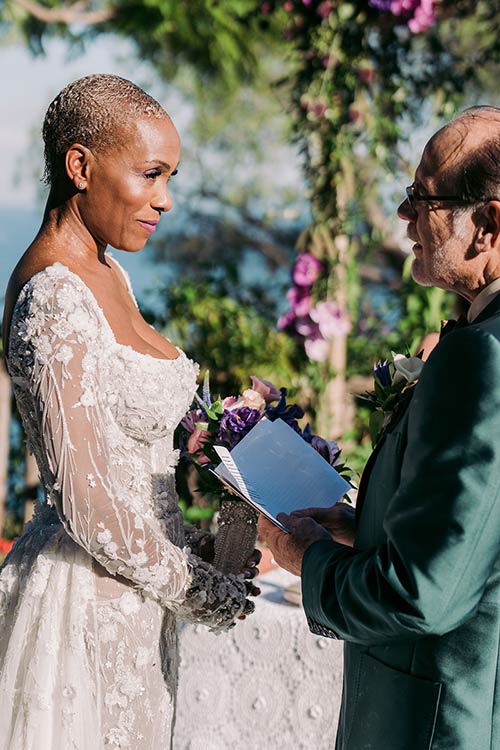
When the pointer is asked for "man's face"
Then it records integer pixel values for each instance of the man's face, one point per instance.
(442, 234)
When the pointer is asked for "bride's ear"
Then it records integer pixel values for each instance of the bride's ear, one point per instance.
(78, 161)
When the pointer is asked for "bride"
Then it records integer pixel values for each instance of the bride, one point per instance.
(90, 594)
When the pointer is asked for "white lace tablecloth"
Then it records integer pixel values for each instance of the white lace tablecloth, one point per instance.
(268, 683)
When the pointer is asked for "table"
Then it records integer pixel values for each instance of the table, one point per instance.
(268, 683)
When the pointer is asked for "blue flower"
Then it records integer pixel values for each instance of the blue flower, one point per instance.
(382, 373)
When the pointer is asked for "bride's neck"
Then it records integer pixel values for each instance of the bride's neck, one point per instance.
(62, 224)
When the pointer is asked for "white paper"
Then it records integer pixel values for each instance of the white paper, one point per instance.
(279, 472)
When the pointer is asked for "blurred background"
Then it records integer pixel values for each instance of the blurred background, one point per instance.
(302, 122)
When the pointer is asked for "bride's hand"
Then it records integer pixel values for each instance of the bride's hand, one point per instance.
(250, 571)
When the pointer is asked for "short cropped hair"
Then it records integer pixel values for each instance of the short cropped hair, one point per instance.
(477, 176)
(95, 112)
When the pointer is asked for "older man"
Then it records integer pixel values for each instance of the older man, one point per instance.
(417, 596)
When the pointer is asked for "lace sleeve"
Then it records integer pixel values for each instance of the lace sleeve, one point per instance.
(55, 357)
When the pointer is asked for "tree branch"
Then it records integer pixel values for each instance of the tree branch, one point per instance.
(78, 13)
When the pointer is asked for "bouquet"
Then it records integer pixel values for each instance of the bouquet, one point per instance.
(224, 422)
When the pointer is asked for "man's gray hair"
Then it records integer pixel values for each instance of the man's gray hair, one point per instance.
(95, 111)
(476, 177)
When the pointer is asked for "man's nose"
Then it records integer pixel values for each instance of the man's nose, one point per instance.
(405, 211)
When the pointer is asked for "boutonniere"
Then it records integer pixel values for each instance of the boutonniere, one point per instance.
(394, 381)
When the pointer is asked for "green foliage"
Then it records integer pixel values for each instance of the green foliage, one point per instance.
(232, 337)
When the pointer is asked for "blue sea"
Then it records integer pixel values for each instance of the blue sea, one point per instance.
(18, 228)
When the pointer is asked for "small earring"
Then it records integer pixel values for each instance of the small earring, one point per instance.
(81, 185)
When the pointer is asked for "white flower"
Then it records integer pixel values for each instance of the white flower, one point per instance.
(35, 323)
(104, 536)
(138, 559)
(110, 549)
(92, 483)
(113, 698)
(79, 320)
(65, 354)
(253, 400)
(131, 685)
(87, 398)
(117, 737)
(43, 348)
(61, 328)
(129, 603)
(65, 298)
(407, 368)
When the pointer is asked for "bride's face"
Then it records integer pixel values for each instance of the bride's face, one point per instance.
(127, 188)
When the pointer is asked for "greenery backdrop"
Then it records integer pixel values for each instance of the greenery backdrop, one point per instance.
(349, 83)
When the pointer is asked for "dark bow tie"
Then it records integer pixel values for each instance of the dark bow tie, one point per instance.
(451, 325)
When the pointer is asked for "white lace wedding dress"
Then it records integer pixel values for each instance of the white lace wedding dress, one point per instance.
(90, 594)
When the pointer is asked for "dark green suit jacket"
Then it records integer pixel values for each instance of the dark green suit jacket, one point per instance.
(418, 598)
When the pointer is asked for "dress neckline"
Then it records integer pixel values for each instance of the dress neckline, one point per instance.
(58, 265)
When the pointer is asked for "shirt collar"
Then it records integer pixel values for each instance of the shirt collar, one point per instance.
(483, 299)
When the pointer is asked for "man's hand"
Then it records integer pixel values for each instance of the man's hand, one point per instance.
(339, 521)
(288, 549)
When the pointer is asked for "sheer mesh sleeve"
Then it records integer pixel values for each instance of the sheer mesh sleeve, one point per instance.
(56, 358)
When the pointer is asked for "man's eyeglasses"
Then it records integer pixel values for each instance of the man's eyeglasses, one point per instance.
(414, 197)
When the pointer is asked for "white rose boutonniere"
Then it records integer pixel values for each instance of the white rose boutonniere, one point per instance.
(406, 369)
(394, 381)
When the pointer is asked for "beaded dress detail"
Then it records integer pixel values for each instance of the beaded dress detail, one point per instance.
(90, 594)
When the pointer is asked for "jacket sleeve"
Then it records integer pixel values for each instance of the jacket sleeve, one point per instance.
(55, 356)
(442, 522)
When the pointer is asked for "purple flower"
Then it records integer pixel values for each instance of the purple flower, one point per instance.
(306, 270)
(286, 321)
(382, 373)
(423, 18)
(381, 4)
(289, 413)
(329, 449)
(300, 300)
(306, 327)
(330, 319)
(317, 348)
(235, 424)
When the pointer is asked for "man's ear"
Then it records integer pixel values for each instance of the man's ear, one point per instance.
(488, 227)
(78, 161)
